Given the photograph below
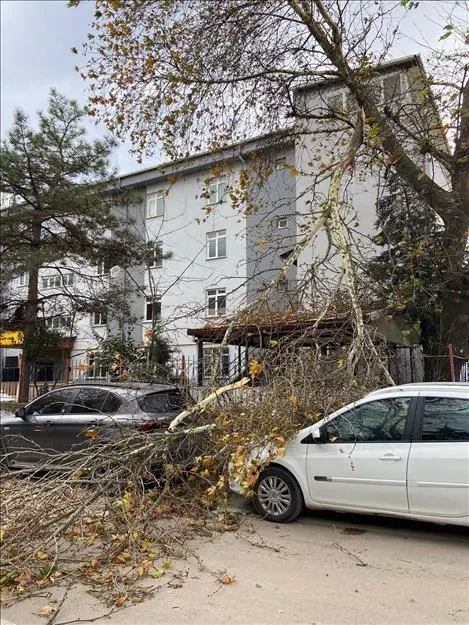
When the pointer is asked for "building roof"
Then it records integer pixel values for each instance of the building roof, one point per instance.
(388, 66)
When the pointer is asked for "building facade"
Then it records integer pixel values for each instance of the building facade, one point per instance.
(218, 248)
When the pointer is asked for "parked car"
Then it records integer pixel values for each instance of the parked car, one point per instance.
(60, 420)
(401, 451)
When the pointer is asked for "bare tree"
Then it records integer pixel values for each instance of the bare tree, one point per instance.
(192, 75)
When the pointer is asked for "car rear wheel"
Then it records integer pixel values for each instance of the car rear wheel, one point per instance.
(277, 496)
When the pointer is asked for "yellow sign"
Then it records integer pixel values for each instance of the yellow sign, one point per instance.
(11, 339)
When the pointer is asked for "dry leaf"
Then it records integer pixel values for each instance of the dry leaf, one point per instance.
(121, 599)
(227, 579)
(41, 555)
(90, 433)
(46, 610)
(156, 573)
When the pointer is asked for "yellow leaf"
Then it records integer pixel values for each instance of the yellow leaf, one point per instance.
(143, 567)
(227, 579)
(156, 573)
(340, 364)
(41, 555)
(255, 368)
(90, 433)
(47, 610)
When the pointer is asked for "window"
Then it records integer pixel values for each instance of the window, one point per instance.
(102, 268)
(216, 302)
(23, 279)
(156, 254)
(59, 322)
(382, 420)
(282, 222)
(89, 401)
(153, 308)
(156, 403)
(99, 318)
(216, 244)
(216, 191)
(392, 88)
(51, 282)
(95, 368)
(445, 419)
(213, 365)
(51, 403)
(57, 281)
(156, 204)
(111, 404)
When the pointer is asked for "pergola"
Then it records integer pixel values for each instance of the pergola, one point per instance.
(305, 332)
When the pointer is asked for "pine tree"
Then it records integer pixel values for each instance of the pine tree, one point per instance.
(63, 211)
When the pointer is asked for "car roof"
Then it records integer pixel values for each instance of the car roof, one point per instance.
(451, 387)
(141, 388)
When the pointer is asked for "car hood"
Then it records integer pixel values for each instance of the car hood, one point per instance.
(7, 417)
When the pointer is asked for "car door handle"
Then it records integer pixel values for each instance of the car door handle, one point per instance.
(390, 458)
(45, 424)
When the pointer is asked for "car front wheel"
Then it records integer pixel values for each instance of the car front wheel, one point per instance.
(277, 496)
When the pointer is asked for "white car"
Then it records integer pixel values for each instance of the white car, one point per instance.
(401, 451)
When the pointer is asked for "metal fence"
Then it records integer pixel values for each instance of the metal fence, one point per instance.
(405, 364)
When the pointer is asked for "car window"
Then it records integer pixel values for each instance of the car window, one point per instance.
(445, 419)
(169, 401)
(112, 403)
(89, 401)
(381, 420)
(51, 403)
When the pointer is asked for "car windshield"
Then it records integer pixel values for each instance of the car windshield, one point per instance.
(166, 401)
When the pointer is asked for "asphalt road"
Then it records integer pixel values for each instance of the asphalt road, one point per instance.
(324, 568)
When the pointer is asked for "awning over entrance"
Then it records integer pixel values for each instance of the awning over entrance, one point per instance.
(326, 331)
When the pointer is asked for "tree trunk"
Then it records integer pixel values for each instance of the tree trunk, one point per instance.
(30, 316)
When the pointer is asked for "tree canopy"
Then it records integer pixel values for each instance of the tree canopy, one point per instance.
(191, 75)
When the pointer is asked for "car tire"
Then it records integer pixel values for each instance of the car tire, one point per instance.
(277, 496)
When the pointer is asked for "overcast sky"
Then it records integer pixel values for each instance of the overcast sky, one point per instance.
(37, 35)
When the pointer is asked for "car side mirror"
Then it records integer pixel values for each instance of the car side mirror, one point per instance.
(317, 437)
(21, 413)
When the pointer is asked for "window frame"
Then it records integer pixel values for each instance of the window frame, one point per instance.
(23, 279)
(102, 314)
(216, 235)
(219, 292)
(407, 435)
(153, 246)
(209, 355)
(420, 413)
(64, 322)
(58, 281)
(152, 301)
(73, 393)
(157, 212)
(90, 387)
(218, 182)
(279, 219)
(103, 268)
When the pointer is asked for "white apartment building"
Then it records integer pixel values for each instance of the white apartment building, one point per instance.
(218, 256)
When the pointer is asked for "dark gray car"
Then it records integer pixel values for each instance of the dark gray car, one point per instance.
(66, 418)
